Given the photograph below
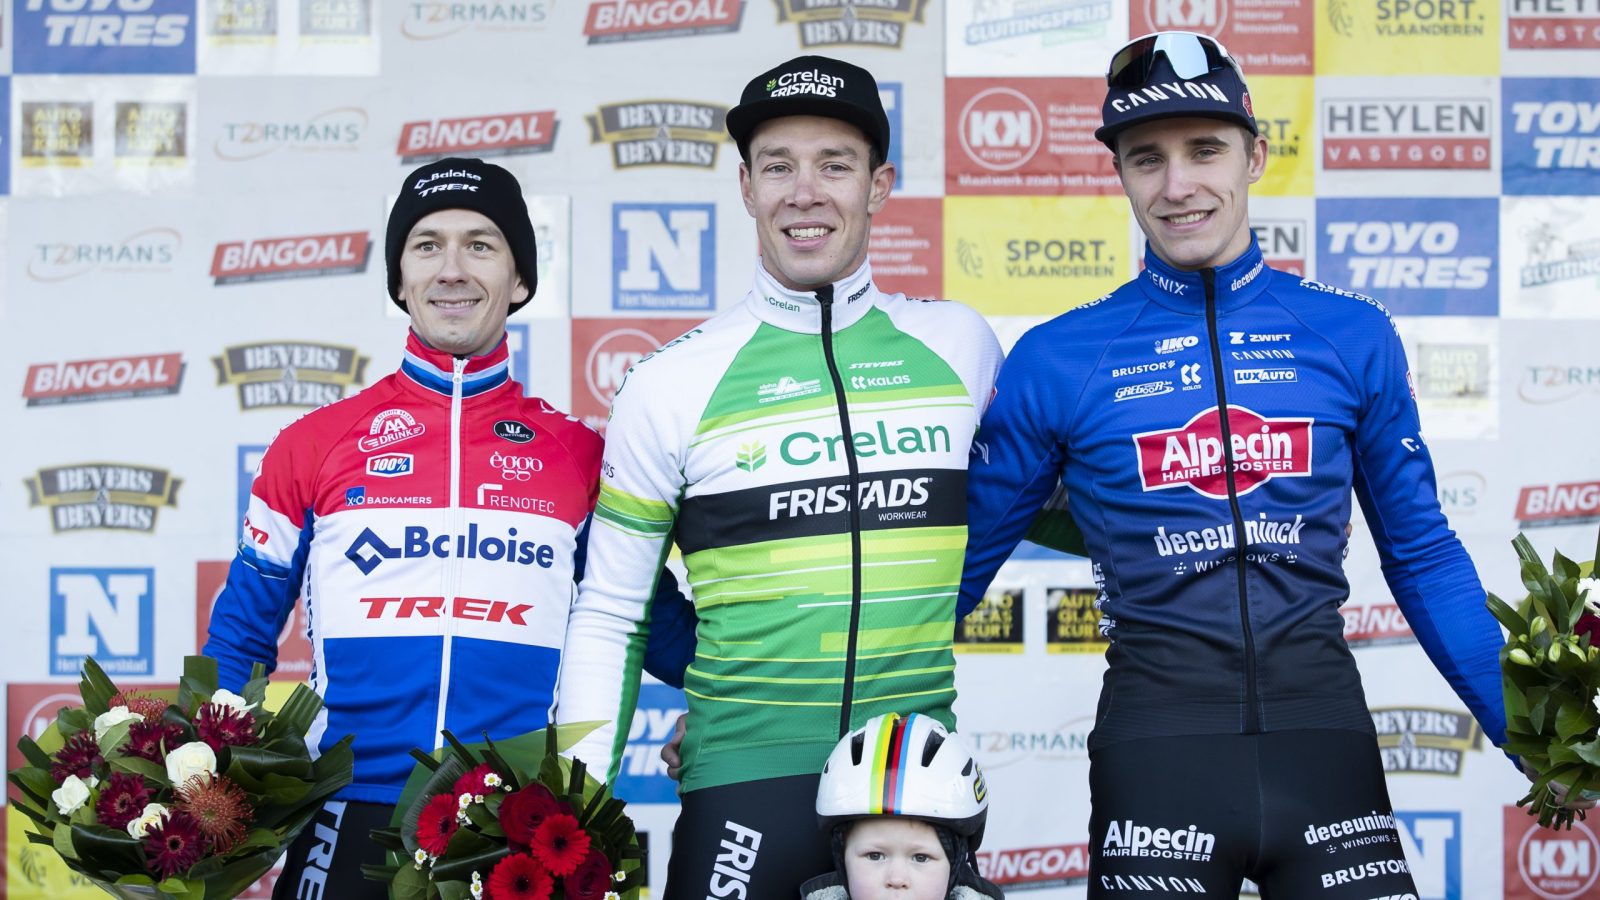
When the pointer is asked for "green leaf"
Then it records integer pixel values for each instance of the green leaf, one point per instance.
(62, 838)
(139, 766)
(461, 869)
(107, 848)
(31, 752)
(1574, 718)
(96, 689)
(202, 670)
(1536, 714)
(1508, 617)
(410, 883)
(1564, 569)
(294, 718)
(181, 889)
(114, 737)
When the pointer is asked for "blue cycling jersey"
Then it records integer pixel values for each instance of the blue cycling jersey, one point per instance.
(1218, 540)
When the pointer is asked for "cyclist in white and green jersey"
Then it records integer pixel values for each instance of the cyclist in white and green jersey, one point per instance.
(824, 567)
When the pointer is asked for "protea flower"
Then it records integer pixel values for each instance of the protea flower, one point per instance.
(151, 708)
(220, 809)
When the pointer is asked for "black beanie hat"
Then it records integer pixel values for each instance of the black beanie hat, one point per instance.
(460, 183)
(811, 86)
(1219, 94)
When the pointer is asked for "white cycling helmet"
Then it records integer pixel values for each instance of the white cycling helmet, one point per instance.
(911, 766)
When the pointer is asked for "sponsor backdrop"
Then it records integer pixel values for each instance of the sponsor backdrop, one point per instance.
(191, 201)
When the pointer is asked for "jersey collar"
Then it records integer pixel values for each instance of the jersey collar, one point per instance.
(433, 370)
(1237, 283)
(800, 312)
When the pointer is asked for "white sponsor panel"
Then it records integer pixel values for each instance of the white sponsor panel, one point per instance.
(1376, 138)
(1033, 37)
(1550, 247)
(70, 138)
(1455, 374)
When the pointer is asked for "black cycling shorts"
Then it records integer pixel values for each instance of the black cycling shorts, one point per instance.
(324, 862)
(1303, 814)
(757, 840)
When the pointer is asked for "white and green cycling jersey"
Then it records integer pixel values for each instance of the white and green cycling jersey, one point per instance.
(816, 613)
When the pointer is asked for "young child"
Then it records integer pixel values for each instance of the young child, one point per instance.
(905, 804)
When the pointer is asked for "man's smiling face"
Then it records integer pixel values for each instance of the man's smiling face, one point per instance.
(458, 279)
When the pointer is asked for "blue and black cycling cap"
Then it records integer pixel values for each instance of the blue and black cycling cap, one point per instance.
(811, 86)
(463, 183)
(1173, 74)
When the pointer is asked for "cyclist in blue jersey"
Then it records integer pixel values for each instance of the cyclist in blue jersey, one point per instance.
(1208, 421)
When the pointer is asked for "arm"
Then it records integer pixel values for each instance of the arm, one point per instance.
(1427, 570)
(265, 577)
(627, 544)
(1015, 465)
(670, 647)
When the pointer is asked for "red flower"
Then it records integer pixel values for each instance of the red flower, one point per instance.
(520, 877)
(171, 847)
(149, 707)
(78, 756)
(122, 800)
(592, 878)
(472, 782)
(151, 739)
(523, 811)
(437, 824)
(561, 844)
(1588, 624)
(220, 809)
(223, 726)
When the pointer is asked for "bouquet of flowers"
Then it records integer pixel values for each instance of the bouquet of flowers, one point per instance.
(1550, 672)
(474, 823)
(193, 796)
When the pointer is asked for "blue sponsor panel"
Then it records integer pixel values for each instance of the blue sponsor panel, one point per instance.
(249, 460)
(1550, 135)
(81, 37)
(106, 613)
(892, 95)
(663, 256)
(1417, 256)
(1432, 844)
(643, 776)
(5, 136)
(517, 348)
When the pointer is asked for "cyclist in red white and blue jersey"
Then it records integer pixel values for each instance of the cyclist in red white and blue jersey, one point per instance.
(432, 523)
(1208, 422)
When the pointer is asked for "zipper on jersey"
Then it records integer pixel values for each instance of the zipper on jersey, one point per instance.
(1252, 719)
(452, 564)
(825, 299)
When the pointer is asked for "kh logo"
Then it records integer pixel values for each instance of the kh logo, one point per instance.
(1187, 15)
(107, 613)
(1546, 864)
(1001, 129)
(664, 255)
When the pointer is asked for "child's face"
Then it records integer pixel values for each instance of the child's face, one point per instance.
(896, 858)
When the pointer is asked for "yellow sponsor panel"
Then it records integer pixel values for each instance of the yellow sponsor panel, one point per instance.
(1286, 113)
(1408, 37)
(35, 872)
(1031, 256)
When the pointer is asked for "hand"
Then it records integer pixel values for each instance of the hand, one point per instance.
(670, 750)
(1558, 790)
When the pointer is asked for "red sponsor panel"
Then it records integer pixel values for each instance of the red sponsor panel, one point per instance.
(1192, 456)
(1036, 867)
(497, 135)
(1283, 243)
(635, 20)
(1559, 504)
(1545, 864)
(30, 708)
(294, 650)
(1405, 153)
(1375, 624)
(115, 378)
(1554, 25)
(907, 246)
(602, 351)
(291, 257)
(1026, 136)
(1269, 37)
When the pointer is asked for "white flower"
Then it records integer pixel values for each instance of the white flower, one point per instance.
(419, 858)
(225, 697)
(1597, 701)
(618, 875)
(492, 780)
(150, 818)
(189, 760)
(464, 801)
(116, 715)
(613, 895)
(73, 793)
(1589, 593)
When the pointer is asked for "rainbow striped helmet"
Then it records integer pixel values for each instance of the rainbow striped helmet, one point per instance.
(911, 766)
